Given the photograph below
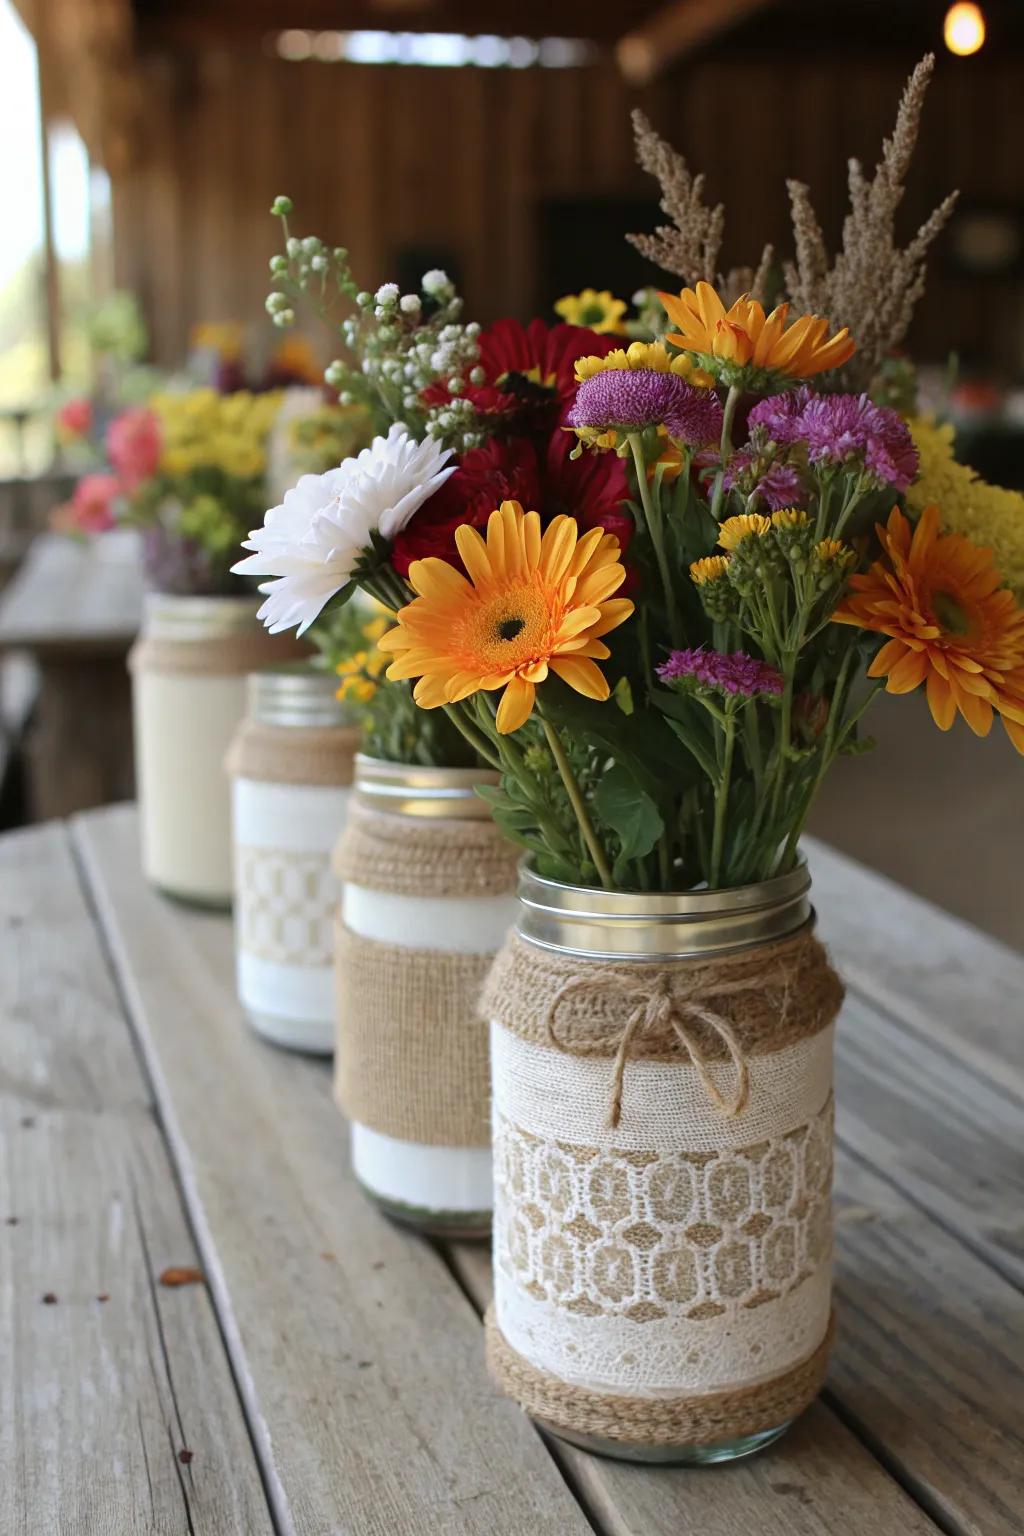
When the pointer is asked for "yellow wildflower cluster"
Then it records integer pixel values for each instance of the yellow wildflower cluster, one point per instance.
(201, 429)
(597, 311)
(986, 514)
(360, 673)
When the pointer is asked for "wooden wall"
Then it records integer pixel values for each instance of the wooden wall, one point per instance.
(377, 157)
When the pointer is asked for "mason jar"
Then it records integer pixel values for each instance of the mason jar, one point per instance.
(188, 695)
(662, 1111)
(291, 763)
(428, 896)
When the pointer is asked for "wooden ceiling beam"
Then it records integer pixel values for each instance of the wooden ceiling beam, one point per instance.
(675, 30)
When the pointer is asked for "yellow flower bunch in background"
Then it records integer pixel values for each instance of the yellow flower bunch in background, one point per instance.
(361, 672)
(205, 430)
(989, 515)
(600, 312)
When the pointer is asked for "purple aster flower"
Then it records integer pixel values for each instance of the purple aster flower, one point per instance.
(641, 397)
(835, 428)
(778, 484)
(735, 673)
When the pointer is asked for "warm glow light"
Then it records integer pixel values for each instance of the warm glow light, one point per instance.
(449, 50)
(964, 28)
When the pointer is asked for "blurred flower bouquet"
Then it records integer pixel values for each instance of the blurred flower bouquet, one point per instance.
(655, 586)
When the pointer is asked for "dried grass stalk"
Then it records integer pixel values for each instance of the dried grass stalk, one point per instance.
(872, 286)
(689, 247)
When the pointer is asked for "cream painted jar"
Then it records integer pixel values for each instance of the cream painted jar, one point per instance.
(428, 896)
(291, 763)
(662, 1112)
(188, 695)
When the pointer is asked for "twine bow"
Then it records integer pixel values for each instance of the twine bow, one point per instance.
(658, 1010)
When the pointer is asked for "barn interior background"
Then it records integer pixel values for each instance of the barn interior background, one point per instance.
(143, 143)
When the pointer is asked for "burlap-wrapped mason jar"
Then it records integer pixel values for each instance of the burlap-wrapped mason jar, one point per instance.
(428, 896)
(292, 763)
(188, 669)
(662, 1079)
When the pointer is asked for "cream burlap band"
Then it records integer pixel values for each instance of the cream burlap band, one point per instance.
(279, 754)
(412, 1050)
(248, 650)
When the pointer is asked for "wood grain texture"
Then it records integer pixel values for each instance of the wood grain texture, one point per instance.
(359, 1359)
(68, 595)
(108, 1380)
(944, 981)
(819, 1480)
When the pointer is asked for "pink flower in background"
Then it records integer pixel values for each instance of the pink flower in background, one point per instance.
(74, 419)
(91, 508)
(133, 444)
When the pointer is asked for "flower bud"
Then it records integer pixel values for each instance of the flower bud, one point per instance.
(281, 206)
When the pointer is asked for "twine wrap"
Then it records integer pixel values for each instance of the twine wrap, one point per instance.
(435, 857)
(411, 1059)
(217, 655)
(731, 1006)
(280, 754)
(707, 1419)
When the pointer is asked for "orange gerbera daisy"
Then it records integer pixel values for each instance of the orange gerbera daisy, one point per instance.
(744, 339)
(953, 625)
(533, 603)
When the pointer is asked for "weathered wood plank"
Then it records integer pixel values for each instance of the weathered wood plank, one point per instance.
(359, 1359)
(945, 980)
(68, 594)
(930, 1355)
(947, 1137)
(818, 1481)
(110, 1379)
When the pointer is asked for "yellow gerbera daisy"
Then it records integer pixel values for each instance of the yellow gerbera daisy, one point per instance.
(651, 356)
(533, 603)
(600, 312)
(735, 529)
(746, 338)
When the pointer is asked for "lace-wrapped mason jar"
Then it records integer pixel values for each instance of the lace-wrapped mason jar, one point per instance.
(662, 1110)
(428, 896)
(188, 695)
(292, 763)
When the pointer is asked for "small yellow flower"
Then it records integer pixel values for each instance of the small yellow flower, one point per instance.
(832, 549)
(734, 530)
(649, 355)
(375, 628)
(600, 312)
(711, 568)
(789, 517)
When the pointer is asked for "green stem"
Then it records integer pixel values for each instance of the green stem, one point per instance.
(481, 746)
(572, 789)
(652, 516)
(834, 741)
(722, 801)
(732, 400)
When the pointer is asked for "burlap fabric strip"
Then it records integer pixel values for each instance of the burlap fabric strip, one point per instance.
(435, 857)
(707, 1419)
(411, 1058)
(277, 754)
(730, 1007)
(226, 655)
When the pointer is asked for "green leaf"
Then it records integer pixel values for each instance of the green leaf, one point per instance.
(629, 811)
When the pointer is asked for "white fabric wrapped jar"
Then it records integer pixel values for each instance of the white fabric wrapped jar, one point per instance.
(291, 763)
(662, 1110)
(188, 695)
(428, 896)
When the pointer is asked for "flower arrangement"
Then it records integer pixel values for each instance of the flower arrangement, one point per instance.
(656, 586)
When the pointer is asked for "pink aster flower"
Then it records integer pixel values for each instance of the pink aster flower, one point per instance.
(837, 428)
(635, 398)
(92, 505)
(777, 484)
(734, 674)
(134, 445)
(74, 419)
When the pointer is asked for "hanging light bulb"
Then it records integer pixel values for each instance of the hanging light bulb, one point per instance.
(963, 30)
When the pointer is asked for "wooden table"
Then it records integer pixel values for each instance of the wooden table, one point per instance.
(76, 608)
(328, 1376)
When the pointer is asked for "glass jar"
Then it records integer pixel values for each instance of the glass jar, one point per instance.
(292, 763)
(662, 1080)
(188, 696)
(427, 898)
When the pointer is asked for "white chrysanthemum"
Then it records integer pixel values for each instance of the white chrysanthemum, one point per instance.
(312, 542)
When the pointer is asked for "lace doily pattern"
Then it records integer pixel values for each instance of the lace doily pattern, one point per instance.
(285, 901)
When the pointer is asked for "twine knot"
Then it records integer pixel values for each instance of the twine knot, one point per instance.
(658, 1009)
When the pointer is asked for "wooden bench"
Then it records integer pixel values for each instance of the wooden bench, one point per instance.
(328, 1376)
